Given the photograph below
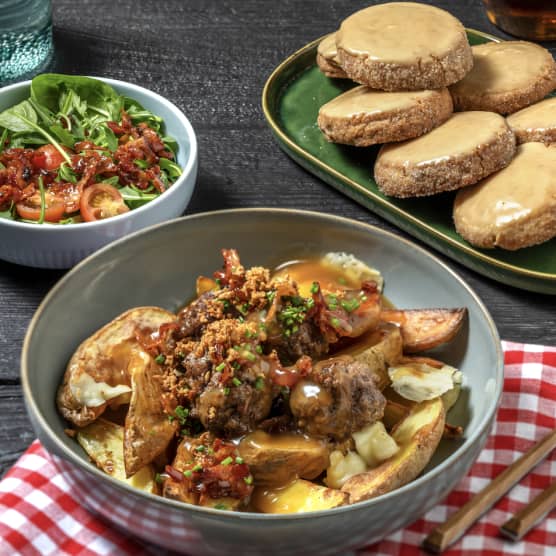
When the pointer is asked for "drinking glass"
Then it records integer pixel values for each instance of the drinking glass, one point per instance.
(25, 37)
(529, 19)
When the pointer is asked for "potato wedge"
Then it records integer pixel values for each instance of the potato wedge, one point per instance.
(297, 497)
(179, 490)
(276, 459)
(378, 349)
(97, 374)
(147, 428)
(418, 435)
(424, 329)
(104, 443)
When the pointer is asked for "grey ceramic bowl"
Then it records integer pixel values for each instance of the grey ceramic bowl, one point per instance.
(158, 266)
(52, 246)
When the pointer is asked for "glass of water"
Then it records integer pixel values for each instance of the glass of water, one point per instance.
(25, 37)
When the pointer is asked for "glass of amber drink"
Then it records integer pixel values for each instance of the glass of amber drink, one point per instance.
(529, 19)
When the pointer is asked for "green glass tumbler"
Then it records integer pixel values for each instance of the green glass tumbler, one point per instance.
(25, 37)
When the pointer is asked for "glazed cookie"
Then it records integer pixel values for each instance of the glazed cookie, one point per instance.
(535, 123)
(363, 116)
(403, 46)
(327, 58)
(506, 77)
(463, 150)
(515, 207)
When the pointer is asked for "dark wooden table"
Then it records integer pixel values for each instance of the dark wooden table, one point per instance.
(211, 58)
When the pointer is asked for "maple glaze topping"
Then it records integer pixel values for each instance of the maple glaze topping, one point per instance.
(400, 32)
(522, 189)
(462, 134)
(537, 117)
(327, 47)
(503, 67)
(371, 101)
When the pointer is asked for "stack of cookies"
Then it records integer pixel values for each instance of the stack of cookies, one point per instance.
(416, 67)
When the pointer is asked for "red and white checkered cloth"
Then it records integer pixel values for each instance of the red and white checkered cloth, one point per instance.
(38, 515)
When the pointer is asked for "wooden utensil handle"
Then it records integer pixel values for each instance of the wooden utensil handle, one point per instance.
(524, 520)
(458, 523)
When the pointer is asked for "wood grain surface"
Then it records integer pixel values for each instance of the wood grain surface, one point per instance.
(211, 58)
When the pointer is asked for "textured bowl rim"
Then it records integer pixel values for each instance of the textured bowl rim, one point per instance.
(188, 168)
(405, 490)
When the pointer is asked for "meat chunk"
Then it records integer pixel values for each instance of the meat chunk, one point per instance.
(197, 315)
(338, 398)
(307, 340)
(230, 411)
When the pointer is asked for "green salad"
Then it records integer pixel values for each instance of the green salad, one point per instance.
(77, 151)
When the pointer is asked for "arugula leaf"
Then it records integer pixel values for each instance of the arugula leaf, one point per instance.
(3, 139)
(103, 136)
(26, 139)
(45, 115)
(114, 180)
(47, 89)
(135, 198)
(143, 164)
(66, 174)
(171, 144)
(43, 201)
(63, 135)
(21, 117)
(8, 213)
(70, 220)
(172, 169)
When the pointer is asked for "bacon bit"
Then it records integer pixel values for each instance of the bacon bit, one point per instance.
(232, 275)
(217, 470)
(174, 473)
(422, 360)
(452, 431)
(288, 376)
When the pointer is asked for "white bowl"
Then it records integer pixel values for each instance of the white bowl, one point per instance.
(51, 246)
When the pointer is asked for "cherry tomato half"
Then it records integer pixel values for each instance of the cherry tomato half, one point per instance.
(101, 200)
(30, 209)
(47, 158)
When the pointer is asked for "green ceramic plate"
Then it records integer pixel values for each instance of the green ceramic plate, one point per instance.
(291, 99)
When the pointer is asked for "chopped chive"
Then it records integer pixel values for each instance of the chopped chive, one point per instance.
(220, 367)
(259, 383)
(188, 473)
(160, 358)
(226, 391)
(315, 287)
(350, 305)
(239, 460)
(200, 448)
(236, 381)
(248, 480)
(259, 349)
(335, 322)
(181, 413)
(158, 478)
(226, 461)
(250, 356)
(220, 506)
